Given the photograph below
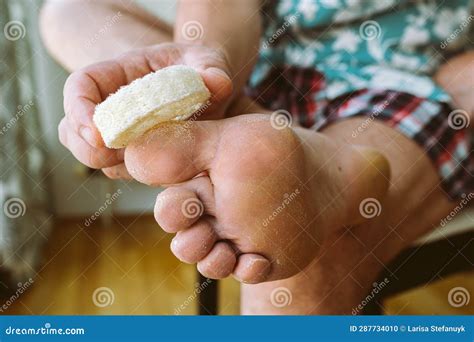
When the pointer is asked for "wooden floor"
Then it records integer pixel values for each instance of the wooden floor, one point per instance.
(128, 264)
(433, 299)
(130, 257)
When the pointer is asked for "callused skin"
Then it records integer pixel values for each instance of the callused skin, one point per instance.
(267, 197)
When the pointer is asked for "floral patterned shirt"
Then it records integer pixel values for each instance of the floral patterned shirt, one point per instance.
(371, 44)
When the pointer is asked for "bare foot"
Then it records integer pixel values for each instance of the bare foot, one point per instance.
(251, 198)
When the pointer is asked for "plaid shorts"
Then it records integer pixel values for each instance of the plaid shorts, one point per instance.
(441, 131)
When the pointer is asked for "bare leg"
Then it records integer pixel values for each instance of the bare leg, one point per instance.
(101, 30)
(350, 258)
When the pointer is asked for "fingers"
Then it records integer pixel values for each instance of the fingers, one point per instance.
(214, 68)
(95, 158)
(218, 82)
(87, 87)
(83, 90)
(221, 88)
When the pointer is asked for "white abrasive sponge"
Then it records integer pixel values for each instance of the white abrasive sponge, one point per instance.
(172, 93)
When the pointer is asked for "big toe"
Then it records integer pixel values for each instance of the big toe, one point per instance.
(173, 152)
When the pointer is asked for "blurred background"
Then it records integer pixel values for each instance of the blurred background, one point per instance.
(74, 242)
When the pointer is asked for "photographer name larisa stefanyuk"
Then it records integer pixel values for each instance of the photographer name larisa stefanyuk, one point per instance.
(435, 328)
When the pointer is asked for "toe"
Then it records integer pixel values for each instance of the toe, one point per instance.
(180, 206)
(117, 172)
(219, 263)
(193, 244)
(174, 152)
(252, 268)
(177, 208)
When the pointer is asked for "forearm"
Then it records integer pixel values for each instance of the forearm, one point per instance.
(230, 25)
(79, 33)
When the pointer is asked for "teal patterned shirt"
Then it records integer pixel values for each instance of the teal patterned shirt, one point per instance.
(357, 44)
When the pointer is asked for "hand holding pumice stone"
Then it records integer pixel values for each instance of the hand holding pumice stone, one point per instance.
(172, 93)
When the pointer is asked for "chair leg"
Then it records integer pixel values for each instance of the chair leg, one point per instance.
(208, 296)
(421, 265)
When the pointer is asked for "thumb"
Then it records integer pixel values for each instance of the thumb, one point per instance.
(218, 82)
